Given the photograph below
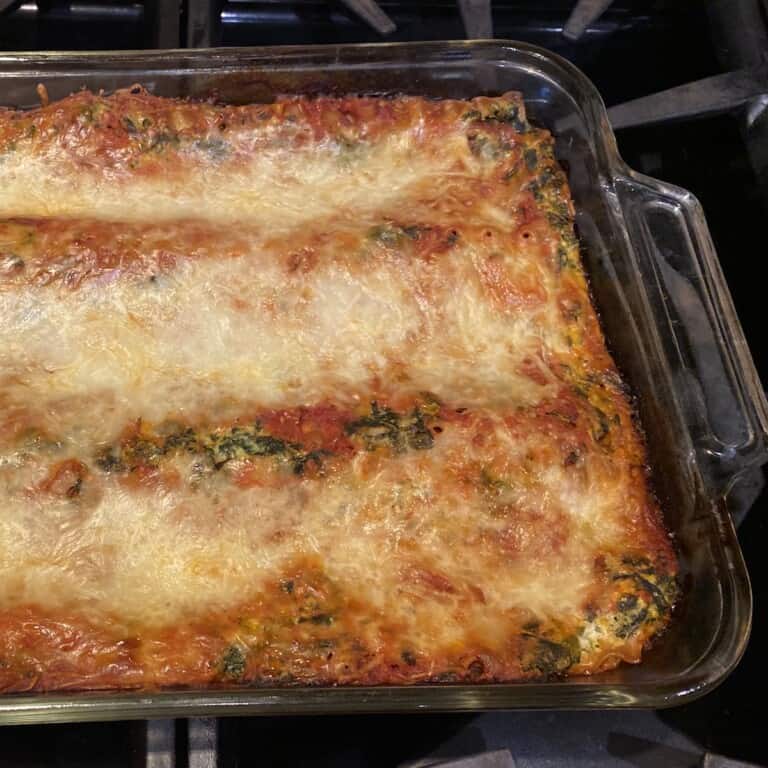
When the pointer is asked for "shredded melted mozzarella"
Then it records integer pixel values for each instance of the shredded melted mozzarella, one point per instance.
(242, 330)
(156, 556)
(268, 188)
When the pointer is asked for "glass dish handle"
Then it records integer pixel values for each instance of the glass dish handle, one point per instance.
(719, 395)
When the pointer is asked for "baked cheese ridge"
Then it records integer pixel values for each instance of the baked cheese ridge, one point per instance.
(308, 393)
(141, 157)
(104, 322)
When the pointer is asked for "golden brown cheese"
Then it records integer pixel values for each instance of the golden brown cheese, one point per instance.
(307, 393)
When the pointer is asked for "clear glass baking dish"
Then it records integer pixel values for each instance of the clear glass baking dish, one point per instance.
(664, 305)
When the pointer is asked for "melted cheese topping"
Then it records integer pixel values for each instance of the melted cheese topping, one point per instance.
(307, 392)
(248, 328)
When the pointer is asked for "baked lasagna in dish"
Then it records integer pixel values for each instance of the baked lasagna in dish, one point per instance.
(310, 392)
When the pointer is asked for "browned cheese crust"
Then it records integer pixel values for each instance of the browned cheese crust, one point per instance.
(308, 393)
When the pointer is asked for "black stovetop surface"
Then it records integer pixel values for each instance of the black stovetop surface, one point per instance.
(638, 47)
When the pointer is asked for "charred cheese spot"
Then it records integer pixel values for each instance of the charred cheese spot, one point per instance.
(65, 479)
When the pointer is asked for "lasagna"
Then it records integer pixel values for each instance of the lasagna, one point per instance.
(308, 393)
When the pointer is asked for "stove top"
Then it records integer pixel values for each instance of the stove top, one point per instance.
(637, 47)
